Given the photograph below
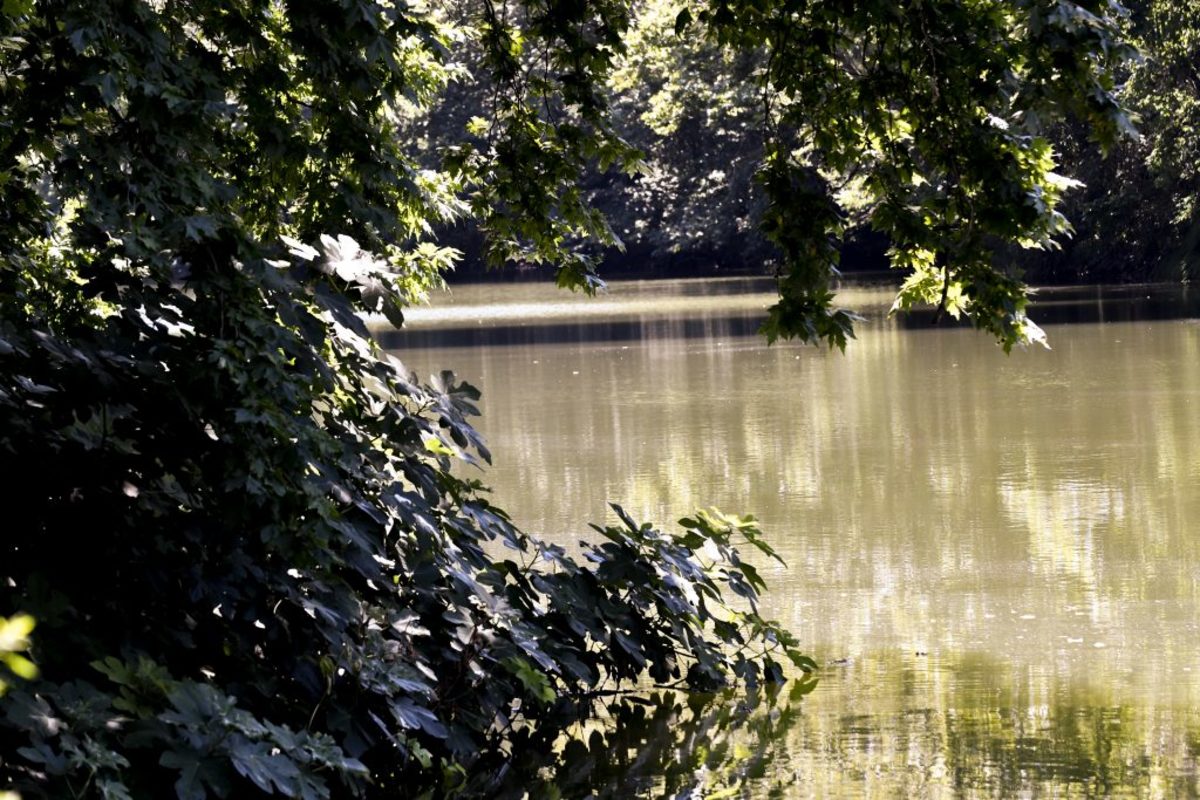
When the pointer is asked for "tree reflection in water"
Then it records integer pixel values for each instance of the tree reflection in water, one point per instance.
(973, 726)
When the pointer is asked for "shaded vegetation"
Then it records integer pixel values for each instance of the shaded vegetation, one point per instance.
(251, 565)
(1136, 217)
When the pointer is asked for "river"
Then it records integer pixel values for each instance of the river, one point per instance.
(994, 558)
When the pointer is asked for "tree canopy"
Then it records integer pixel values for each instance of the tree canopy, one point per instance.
(931, 122)
(1137, 218)
(236, 520)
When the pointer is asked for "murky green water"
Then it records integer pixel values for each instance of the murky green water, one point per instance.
(997, 559)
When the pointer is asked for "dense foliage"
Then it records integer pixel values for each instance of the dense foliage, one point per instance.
(664, 744)
(1136, 217)
(929, 123)
(234, 519)
(237, 522)
(937, 110)
(777, 130)
(691, 107)
(694, 110)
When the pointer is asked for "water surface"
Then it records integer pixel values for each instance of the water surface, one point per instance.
(994, 557)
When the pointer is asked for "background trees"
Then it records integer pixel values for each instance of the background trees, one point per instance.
(933, 123)
(251, 563)
(695, 112)
(1136, 215)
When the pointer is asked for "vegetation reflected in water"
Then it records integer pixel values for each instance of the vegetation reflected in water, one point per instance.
(1025, 523)
(665, 744)
(971, 725)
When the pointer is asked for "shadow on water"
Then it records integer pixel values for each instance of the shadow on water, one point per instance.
(574, 332)
(1089, 305)
(1058, 306)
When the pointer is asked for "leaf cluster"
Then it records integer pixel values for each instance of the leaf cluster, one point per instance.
(14, 640)
(540, 71)
(936, 109)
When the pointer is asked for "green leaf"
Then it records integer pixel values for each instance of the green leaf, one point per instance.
(190, 785)
(200, 227)
(17, 8)
(413, 716)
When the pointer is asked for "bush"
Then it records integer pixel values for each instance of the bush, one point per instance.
(234, 518)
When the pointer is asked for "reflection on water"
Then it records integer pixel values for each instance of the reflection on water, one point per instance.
(909, 727)
(542, 314)
(977, 726)
(995, 555)
(662, 744)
